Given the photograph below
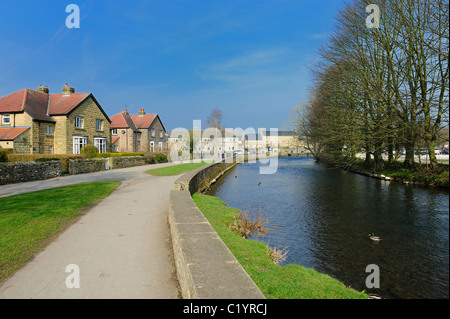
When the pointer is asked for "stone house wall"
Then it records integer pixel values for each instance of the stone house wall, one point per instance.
(90, 112)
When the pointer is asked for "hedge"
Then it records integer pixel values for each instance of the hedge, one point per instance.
(64, 158)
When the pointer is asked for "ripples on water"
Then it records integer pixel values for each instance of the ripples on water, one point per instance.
(325, 216)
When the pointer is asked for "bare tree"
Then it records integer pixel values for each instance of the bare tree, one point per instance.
(214, 119)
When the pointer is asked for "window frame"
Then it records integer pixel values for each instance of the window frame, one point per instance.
(97, 122)
(76, 147)
(4, 117)
(100, 143)
(79, 120)
(48, 130)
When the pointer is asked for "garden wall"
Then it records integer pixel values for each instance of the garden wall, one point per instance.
(28, 171)
(88, 165)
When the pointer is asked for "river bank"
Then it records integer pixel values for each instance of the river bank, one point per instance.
(324, 216)
(420, 175)
(275, 281)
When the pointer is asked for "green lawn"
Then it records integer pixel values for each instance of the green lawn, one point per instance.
(175, 169)
(28, 222)
(274, 281)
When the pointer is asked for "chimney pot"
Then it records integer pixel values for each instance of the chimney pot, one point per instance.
(67, 91)
(43, 89)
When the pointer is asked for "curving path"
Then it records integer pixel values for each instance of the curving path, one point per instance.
(121, 246)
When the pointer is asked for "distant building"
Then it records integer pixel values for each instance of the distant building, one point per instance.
(37, 122)
(138, 133)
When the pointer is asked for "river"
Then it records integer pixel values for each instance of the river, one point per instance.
(324, 215)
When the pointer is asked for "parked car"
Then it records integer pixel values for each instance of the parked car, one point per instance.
(437, 151)
(423, 151)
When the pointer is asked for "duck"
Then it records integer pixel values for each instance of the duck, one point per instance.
(259, 184)
(374, 238)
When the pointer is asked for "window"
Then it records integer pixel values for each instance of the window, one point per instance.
(50, 150)
(152, 146)
(6, 119)
(160, 146)
(78, 122)
(153, 132)
(48, 130)
(99, 125)
(78, 143)
(100, 143)
(160, 134)
(114, 131)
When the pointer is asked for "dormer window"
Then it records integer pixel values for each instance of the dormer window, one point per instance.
(6, 119)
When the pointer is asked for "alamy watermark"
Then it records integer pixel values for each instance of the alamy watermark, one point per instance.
(373, 280)
(373, 20)
(73, 280)
(73, 19)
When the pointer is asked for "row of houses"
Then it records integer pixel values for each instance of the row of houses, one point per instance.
(37, 122)
(235, 140)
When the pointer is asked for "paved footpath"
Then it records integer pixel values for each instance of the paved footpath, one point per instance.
(121, 246)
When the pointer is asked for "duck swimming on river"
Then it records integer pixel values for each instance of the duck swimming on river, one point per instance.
(374, 238)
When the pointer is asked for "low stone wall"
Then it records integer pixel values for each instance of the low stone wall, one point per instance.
(293, 151)
(206, 269)
(28, 171)
(200, 179)
(87, 165)
(126, 161)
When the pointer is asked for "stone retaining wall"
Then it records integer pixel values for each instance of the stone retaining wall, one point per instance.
(87, 165)
(28, 171)
(126, 161)
(206, 268)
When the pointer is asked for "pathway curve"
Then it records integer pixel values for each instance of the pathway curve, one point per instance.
(121, 246)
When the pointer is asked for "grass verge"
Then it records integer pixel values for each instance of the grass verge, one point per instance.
(28, 222)
(175, 169)
(274, 281)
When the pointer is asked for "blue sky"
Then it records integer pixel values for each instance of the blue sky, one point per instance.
(180, 59)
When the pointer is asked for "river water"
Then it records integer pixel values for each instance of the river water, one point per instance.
(324, 215)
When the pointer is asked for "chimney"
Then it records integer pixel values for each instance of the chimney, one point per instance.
(141, 112)
(67, 90)
(43, 89)
(125, 111)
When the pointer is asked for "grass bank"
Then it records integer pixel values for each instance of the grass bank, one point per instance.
(274, 281)
(420, 174)
(28, 222)
(175, 169)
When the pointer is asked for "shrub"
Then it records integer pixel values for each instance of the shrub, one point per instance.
(64, 158)
(278, 255)
(3, 157)
(161, 158)
(247, 226)
(89, 150)
(46, 159)
(106, 155)
(150, 158)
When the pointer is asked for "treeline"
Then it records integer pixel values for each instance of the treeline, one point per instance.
(380, 87)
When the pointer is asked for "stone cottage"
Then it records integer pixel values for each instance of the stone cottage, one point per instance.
(37, 122)
(138, 133)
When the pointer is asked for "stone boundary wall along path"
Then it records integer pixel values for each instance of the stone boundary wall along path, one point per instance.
(28, 171)
(206, 268)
